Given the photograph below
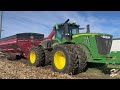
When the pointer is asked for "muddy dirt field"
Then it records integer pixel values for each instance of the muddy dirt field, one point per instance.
(21, 70)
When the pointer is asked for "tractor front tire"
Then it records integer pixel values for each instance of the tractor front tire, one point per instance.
(82, 58)
(36, 56)
(67, 59)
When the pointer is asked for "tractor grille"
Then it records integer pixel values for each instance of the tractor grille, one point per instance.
(104, 44)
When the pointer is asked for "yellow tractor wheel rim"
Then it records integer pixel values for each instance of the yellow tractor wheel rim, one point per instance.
(59, 60)
(32, 57)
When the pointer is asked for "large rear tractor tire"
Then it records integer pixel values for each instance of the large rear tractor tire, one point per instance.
(37, 56)
(68, 59)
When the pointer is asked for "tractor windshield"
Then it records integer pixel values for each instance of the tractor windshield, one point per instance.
(60, 32)
(74, 29)
(71, 31)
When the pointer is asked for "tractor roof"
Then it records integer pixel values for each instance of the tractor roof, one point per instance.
(71, 24)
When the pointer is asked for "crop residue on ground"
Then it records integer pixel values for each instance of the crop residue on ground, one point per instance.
(20, 70)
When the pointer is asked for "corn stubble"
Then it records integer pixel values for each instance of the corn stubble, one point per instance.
(21, 70)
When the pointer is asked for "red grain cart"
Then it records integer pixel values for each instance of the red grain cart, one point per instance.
(20, 44)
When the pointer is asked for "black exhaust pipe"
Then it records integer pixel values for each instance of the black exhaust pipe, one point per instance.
(88, 28)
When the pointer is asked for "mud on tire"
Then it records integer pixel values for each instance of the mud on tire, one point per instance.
(81, 58)
(75, 58)
(47, 57)
(40, 56)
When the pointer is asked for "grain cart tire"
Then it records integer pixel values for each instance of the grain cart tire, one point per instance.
(37, 56)
(11, 56)
(65, 59)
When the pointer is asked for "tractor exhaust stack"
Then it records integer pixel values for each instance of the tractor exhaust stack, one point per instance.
(88, 28)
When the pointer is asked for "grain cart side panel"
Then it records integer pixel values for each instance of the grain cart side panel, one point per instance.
(27, 40)
(20, 43)
(9, 44)
(26, 44)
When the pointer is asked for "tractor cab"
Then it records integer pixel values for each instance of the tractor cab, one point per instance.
(66, 31)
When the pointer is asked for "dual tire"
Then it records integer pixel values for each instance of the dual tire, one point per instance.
(36, 56)
(69, 59)
(66, 58)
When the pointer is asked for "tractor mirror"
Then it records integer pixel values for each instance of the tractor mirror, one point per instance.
(56, 26)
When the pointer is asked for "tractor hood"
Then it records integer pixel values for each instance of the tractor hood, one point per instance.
(98, 42)
(90, 34)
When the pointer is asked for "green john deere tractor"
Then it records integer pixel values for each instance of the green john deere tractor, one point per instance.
(70, 50)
